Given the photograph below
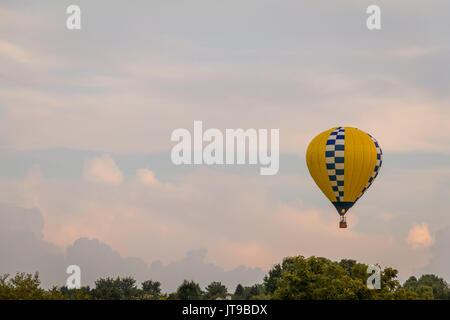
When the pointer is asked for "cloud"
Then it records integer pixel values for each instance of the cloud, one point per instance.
(419, 236)
(414, 52)
(344, 79)
(14, 52)
(194, 267)
(98, 260)
(102, 169)
(238, 219)
(146, 177)
(294, 231)
(439, 263)
(23, 249)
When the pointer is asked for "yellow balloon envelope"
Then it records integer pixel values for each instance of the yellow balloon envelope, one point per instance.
(343, 162)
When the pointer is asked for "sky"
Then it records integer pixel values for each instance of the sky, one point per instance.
(86, 117)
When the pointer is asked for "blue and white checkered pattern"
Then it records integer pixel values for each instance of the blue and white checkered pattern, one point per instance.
(334, 159)
(377, 166)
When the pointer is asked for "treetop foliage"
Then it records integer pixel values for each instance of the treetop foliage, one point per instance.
(297, 277)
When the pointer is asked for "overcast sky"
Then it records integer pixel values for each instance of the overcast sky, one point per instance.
(86, 118)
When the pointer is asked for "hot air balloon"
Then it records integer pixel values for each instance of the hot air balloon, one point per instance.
(344, 162)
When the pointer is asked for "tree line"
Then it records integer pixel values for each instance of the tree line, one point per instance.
(314, 278)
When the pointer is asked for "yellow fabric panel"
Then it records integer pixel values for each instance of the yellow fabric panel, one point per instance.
(315, 160)
(359, 162)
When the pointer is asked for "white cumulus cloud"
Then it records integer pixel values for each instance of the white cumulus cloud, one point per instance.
(102, 169)
(146, 176)
(419, 236)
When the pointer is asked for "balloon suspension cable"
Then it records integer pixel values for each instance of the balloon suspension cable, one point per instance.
(343, 222)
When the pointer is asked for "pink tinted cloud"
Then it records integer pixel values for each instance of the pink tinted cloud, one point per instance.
(419, 236)
(102, 169)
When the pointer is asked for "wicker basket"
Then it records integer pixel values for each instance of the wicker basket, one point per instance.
(343, 224)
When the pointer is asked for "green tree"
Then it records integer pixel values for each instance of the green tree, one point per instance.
(424, 292)
(84, 293)
(128, 288)
(23, 286)
(429, 286)
(172, 296)
(271, 279)
(256, 291)
(321, 278)
(347, 265)
(116, 289)
(189, 290)
(106, 289)
(239, 291)
(54, 294)
(151, 288)
(215, 290)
